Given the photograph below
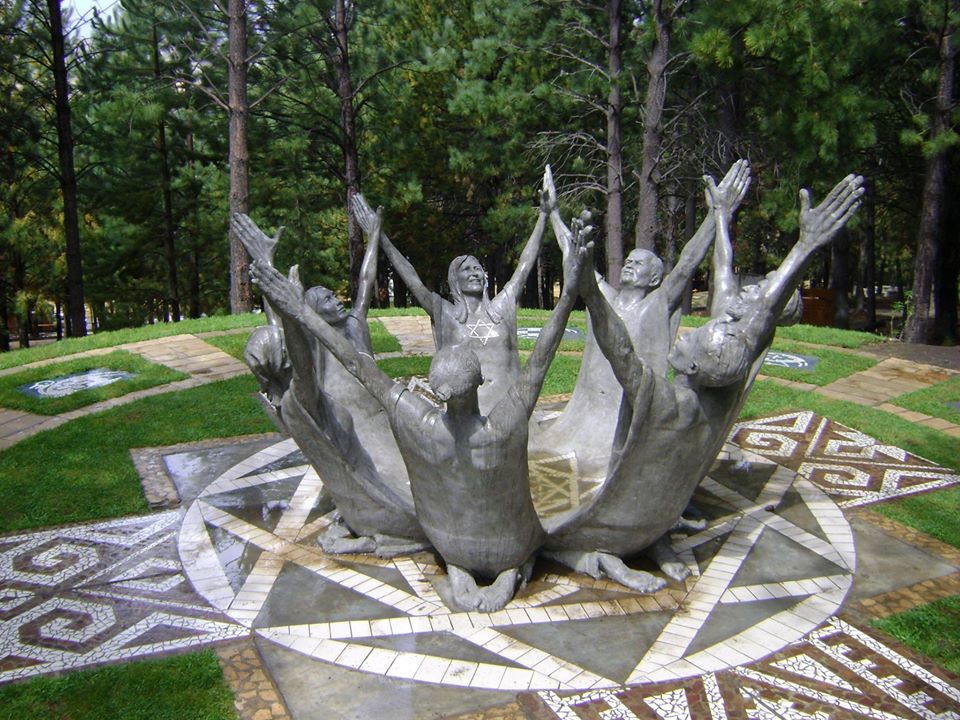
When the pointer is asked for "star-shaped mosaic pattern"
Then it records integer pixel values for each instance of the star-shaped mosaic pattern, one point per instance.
(263, 569)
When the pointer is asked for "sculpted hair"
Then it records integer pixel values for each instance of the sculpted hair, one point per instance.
(725, 355)
(459, 304)
(457, 367)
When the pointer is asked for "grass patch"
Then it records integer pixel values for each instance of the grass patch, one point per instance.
(932, 629)
(183, 687)
(932, 400)
(406, 366)
(812, 334)
(82, 470)
(768, 398)
(381, 339)
(128, 335)
(234, 343)
(147, 375)
(833, 365)
(562, 375)
(395, 312)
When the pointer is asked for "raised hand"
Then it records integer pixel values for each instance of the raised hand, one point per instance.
(284, 295)
(366, 216)
(818, 225)
(581, 251)
(548, 194)
(726, 197)
(260, 247)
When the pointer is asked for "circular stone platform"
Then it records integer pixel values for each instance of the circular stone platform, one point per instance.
(774, 562)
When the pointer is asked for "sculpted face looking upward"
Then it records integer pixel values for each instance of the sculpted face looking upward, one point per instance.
(642, 270)
(326, 304)
(470, 276)
(714, 355)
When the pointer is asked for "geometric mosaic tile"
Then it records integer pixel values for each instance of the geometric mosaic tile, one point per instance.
(853, 468)
(100, 592)
(346, 609)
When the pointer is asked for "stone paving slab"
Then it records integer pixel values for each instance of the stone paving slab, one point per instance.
(413, 332)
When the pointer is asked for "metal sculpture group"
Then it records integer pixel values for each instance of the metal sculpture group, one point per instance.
(404, 475)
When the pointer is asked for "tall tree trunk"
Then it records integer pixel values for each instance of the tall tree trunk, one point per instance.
(945, 286)
(868, 257)
(840, 280)
(169, 244)
(348, 122)
(68, 177)
(4, 318)
(239, 111)
(646, 232)
(613, 219)
(930, 229)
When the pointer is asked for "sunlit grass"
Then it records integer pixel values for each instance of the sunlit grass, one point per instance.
(183, 687)
(146, 375)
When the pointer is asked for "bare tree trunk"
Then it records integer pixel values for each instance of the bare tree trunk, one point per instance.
(68, 177)
(868, 257)
(169, 244)
(351, 157)
(929, 231)
(840, 280)
(613, 219)
(646, 232)
(239, 111)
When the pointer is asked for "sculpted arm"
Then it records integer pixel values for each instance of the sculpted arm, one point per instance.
(818, 226)
(732, 190)
(563, 234)
(288, 300)
(533, 373)
(612, 335)
(368, 268)
(723, 201)
(528, 258)
(261, 247)
(367, 218)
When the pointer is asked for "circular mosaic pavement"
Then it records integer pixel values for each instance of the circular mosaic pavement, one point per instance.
(774, 562)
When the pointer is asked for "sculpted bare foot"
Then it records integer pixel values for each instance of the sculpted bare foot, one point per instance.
(499, 592)
(584, 562)
(668, 561)
(637, 580)
(389, 546)
(351, 545)
(466, 594)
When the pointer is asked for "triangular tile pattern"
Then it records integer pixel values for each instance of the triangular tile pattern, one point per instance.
(346, 609)
(839, 671)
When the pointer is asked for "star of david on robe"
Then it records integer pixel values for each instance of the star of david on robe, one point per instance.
(482, 330)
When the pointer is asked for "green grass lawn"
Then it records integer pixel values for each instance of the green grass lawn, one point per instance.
(832, 366)
(69, 475)
(234, 343)
(82, 470)
(147, 375)
(813, 334)
(933, 400)
(933, 629)
(119, 337)
(183, 687)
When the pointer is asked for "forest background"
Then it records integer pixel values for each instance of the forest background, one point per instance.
(127, 145)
